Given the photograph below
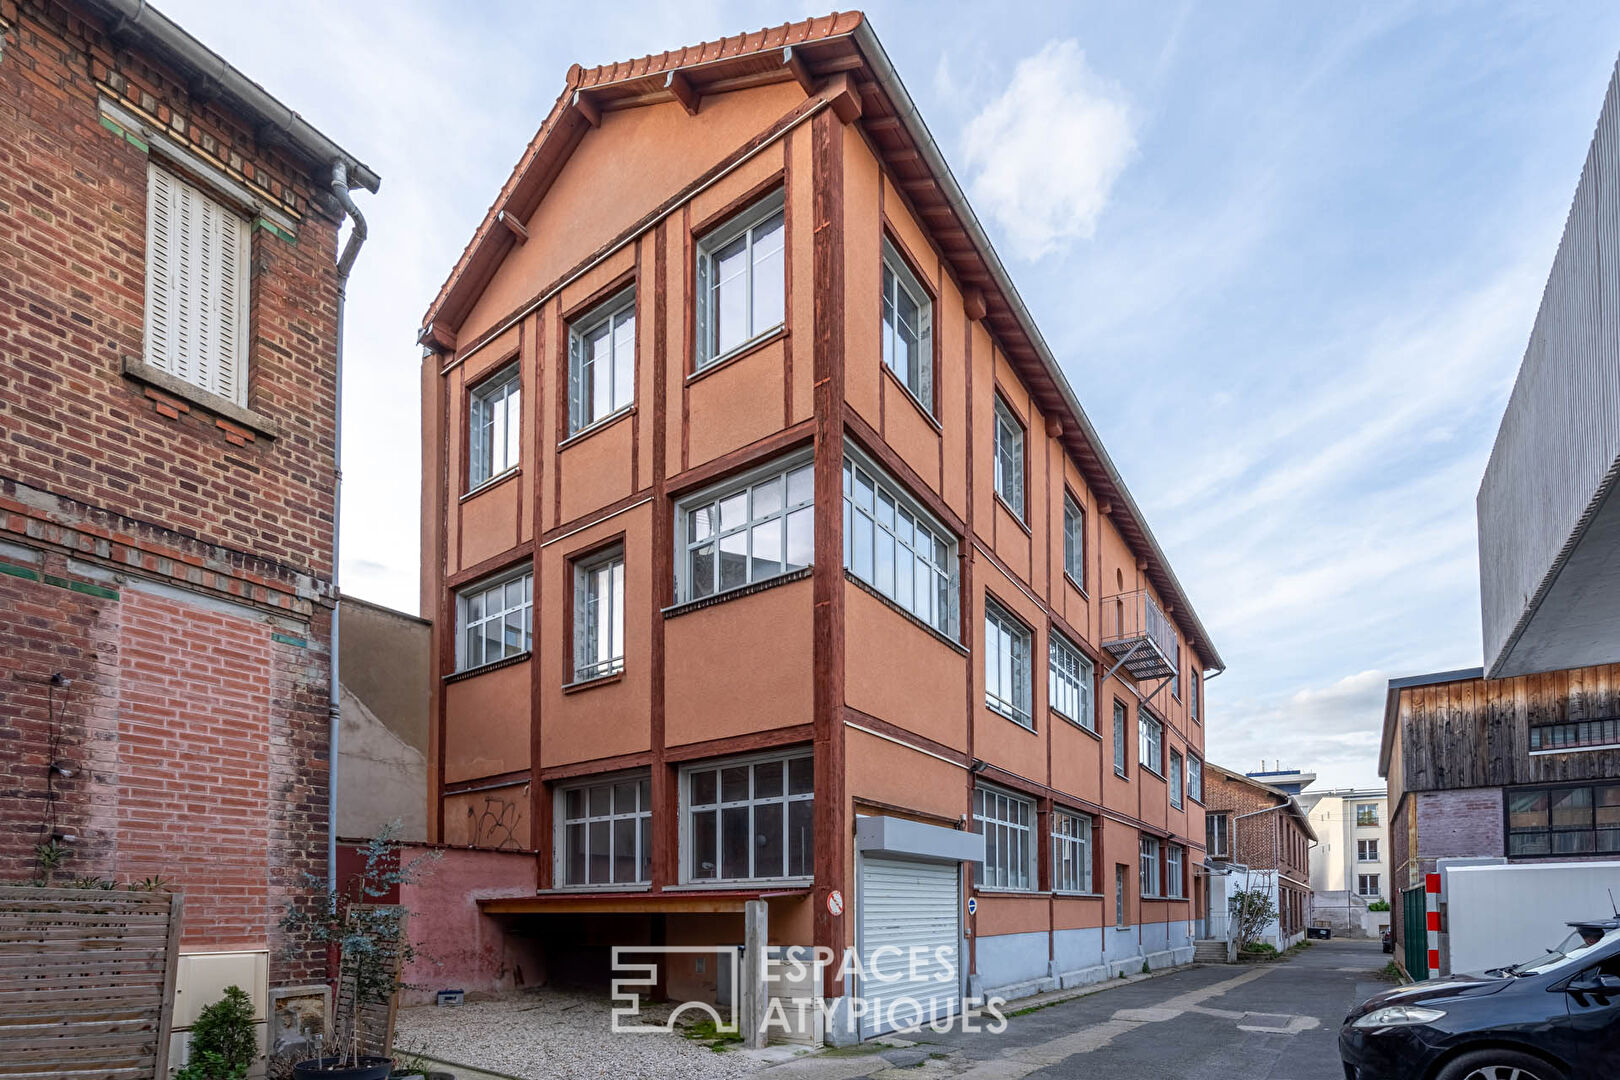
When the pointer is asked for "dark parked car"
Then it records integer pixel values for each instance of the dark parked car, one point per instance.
(1556, 1017)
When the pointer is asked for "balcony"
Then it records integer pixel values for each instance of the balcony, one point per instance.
(1137, 634)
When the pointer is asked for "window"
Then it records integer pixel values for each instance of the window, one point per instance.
(1173, 776)
(599, 615)
(1367, 885)
(1149, 869)
(1069, 678)
(1366, 814)
(1150, 740)
(1195, 779)
(1218, 835)
(602, 362)
(1121, 877)
(1006, 665)
(1175, 679)
(750, 819)
(908, 328)
(1366, 851)
(1193, 679)
(1074, 541)
(1564, 820)
(741, 285)
(1575, 735)
(197, 259)
(606, 832)
(496, 619)
(747, 531)
(1009, 458)
(1119, 738)
(1071, 852)
(1009, 856)
(1174, 860)
(894, 546)
(494, 427)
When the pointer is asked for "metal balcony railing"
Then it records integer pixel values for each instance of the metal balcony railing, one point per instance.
(1137, 633)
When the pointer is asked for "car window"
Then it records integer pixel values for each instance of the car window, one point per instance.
(1569, 952)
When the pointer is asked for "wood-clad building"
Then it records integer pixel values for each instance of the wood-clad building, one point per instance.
(771, 555)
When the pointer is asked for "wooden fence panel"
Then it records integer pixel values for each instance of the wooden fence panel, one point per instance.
(86, 983)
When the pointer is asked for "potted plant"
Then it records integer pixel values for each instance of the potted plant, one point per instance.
(223, 1042)
(367, 940)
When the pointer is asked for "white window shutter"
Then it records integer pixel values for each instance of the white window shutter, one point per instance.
(197, 257)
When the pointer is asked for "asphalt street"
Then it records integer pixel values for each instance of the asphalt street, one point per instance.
(1278, 1021)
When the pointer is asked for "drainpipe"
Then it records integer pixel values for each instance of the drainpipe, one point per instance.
(345, 263)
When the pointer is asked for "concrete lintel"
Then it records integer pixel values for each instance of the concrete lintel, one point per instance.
(905, 839)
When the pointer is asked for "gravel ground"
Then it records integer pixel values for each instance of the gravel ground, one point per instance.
(540, 1034)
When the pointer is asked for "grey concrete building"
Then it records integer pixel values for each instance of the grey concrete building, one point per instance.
(383, 740)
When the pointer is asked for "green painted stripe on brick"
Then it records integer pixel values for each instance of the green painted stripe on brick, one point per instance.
(117, 130)
(19, 571)
(286, 639)
(271, 227)
(93, 590)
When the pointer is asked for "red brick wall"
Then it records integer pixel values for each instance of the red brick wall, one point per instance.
(1257, 841)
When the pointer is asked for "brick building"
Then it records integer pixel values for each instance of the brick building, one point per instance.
(1260, 837)
(170, 302)
(771, 556)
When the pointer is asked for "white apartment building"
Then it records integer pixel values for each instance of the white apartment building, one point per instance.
(1350, 862)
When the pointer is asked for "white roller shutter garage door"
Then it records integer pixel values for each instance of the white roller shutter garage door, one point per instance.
(906, 905)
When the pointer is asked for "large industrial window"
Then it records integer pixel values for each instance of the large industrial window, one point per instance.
(494, 427)
(606, 832)
(1150, 743)
(1175, 858)
(1007, 822)
(750, 819)
(1121, 878)
(496, 619)
(1119, 738)
(1071, 852)
(599, 615)
(1149, 868)
(1564, 820)
(1069, 678)
(1575, 735)
(197, 259)
(741, 282)
(747, 530)
(1009, 458)
(895, 546)
(908, 328)
(1173, 777)
(1006, 664)
(1074, 541)
(602, 362)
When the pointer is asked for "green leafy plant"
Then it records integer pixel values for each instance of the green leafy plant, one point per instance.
(93, 883)
(1378, 905)
(223, 1042)
(1252, 911)
(48, 856)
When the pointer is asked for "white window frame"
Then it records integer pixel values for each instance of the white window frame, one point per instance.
(197, 330)
(689, 540)
(1218, 835)
(746, 224)
(596, 656)
(1074, 541)
(641, 815)
(1122, 758)
(1371, 808)
(1175, 861)
(690, 809)
(476, 596)
(1173, 777)
(1071, 852)
(899, 279)
(1150, 743)
(1193, 681)
(1008, 671)
(1362, 849)
(1006, 821)
(1195, 778)
(614, 314)
(1122, 882)
(1009, 437)
(1175, 680)
(880, 516)
(494, 426)
(1149, 872)
(1069, 682)
(1362, 881)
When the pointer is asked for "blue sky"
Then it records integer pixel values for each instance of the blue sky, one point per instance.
(1289, 255)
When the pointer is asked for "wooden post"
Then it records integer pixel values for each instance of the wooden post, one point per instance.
(171, 969)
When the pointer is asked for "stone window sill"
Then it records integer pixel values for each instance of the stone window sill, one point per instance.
(256, 422)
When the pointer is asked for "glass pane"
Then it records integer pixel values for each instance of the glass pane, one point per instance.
(492, 639)
(800, 832)
(514, 594)
(861, 546)
(801, 484)
(767, 497)
(600, 804)
(768, 780)
(734, 842)
(646, 849)
(624, 849)
(734, 784)
(700, 577)
(801, 540)
(863, 490)
(904, 588)
(574, 856)
(767, 549)
(703, 789)
(769, 280)
(1571, 808)
(573, 805)
(600, 867)
(514, 632)
(801, 776)
(705, 860)
(768, 840)
(624, 797)
(1527, 809)
(730, 299)
(733, 560)
(624, 361)
(733, 511)
(699, 523)
(883, 570)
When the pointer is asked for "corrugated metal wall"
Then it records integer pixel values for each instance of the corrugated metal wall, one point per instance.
(1560, 436)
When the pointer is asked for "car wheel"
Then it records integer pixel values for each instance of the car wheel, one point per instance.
(1498, 1065)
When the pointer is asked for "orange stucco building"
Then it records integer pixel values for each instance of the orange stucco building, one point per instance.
(769, 553)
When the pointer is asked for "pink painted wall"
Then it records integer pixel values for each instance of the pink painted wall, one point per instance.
(459, 947)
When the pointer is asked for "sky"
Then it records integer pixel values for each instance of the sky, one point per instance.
(1288, 254)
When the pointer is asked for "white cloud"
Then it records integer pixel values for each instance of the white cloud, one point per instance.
(1332, 730)
(1045, 154)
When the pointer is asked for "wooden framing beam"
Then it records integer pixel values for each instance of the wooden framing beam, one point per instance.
(680, 87)
(801, 71)
(973, 303)
(845, 98)
(513, 226)
(588, 108)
